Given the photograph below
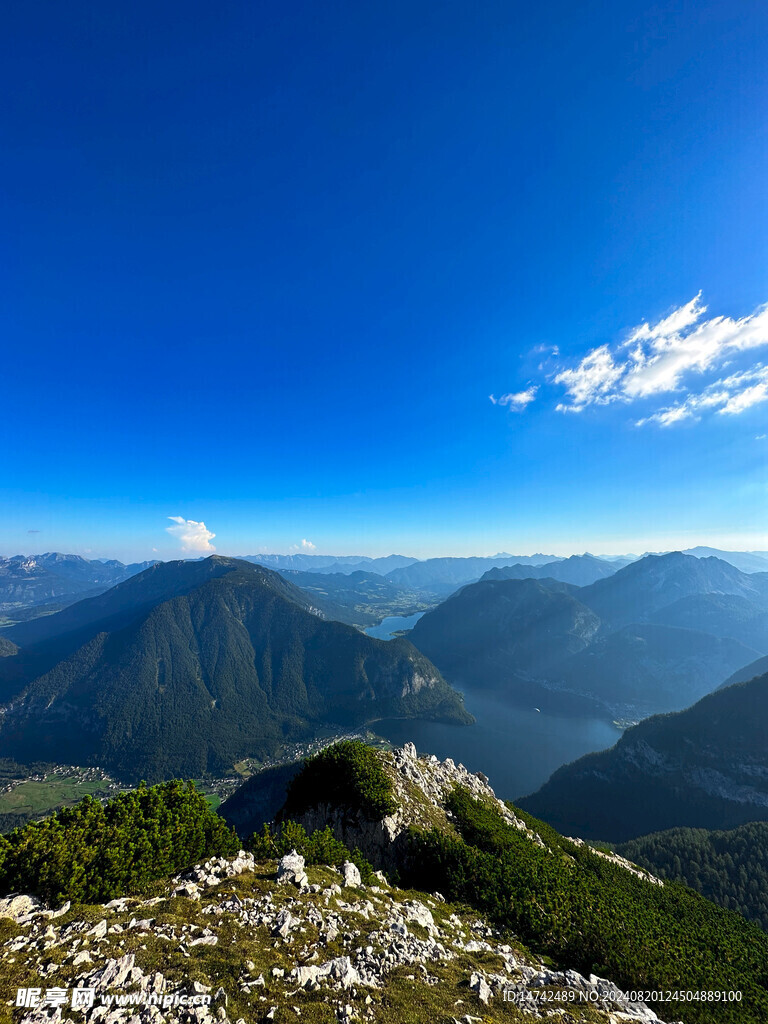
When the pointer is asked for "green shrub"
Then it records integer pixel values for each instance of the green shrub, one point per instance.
(728, 867)
(348, 774)
(321, 847)
(94, 852)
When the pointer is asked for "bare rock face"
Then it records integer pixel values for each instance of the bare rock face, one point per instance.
(380, 841)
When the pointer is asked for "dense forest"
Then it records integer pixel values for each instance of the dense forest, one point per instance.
(728, 867)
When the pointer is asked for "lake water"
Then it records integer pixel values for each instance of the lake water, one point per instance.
(388, 626)
(518, 748)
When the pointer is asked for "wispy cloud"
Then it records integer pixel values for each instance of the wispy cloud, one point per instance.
(195, 537)
(727, 397)
(306, 545)
(517, 400)
(674, 355)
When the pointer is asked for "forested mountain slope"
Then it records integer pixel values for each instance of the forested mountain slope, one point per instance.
(234, 665)
(705, 767)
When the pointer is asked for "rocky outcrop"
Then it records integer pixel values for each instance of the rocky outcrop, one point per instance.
(291, 870)
(421, 786)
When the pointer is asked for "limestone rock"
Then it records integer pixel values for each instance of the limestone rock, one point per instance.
(18, 906)
(351, 873)
(291, 870)
(479, 985)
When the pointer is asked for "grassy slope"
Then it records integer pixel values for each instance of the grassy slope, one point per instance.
(404, 998)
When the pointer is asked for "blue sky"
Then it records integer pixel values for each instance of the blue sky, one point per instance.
(325, 273)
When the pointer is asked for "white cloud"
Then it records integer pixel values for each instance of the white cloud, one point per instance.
(746, 399)
(306, 545)
(727, 396)
(517, 400)
(194, 537)
(593, 381)
(678, 320)
(669, 357)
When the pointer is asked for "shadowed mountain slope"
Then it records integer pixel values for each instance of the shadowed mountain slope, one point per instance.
(705, 767)
(651, 637)
(494, 629)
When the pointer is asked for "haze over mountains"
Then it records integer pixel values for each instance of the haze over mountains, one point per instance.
(578, 569)
(747, 561)
(53, 580)
(331, 563)
(189, 666)
(618, 641)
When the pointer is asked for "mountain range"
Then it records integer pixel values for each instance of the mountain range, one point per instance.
(652, 587)
(704, 767)
(441, 576)
(581, 633)
(626, 640)
(37, 584)
(580, 570)
(52, 580)
(455, 571)
(331, 563)
(747, 561)
(190, 666)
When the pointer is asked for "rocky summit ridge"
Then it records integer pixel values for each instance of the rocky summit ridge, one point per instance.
(237, 941)
(421, 786)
